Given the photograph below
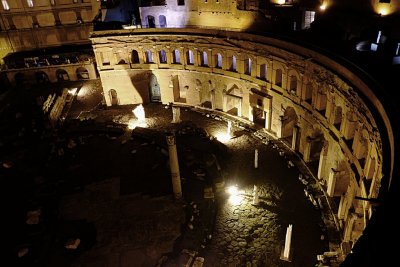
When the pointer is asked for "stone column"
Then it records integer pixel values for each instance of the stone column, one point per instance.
(307, 149)
(322, 160)
(212, 96)
(268, 115)
(294, 137)
(176, 114)
(224, 102)
(255, 195)
(240, 107)
(251, 115)
(256, 158)
(174, 166)
(332, 182)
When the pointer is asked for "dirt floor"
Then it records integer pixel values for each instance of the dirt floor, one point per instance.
(98, 180)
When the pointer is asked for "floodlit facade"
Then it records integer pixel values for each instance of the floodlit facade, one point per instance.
(32, 24)
(323, 110)
(207, 53)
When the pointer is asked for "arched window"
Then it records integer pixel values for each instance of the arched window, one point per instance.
(308, 93)
(151, 22)
(233, 64)
(263, 71)
(278, 77)
(293, 84)
(82, 73)
(204, 59)
(177, 57)
(149, 57)
(218, 61)
(163, 56)
(135, 57)
(247, 66)
(190, 57)
(62, 75)
(163, 21)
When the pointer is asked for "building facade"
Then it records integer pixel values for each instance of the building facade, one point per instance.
(297, 95)
(33, 24)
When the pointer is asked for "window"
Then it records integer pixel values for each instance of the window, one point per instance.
(5, 5)
(278, 77)
(135, 57)
(53, 2)
(204, 59)
(233, 64)
(30, 3)
(75, 1)
(149, 57)
(163, 21)
(190, 57)
(263, 71)
(181, 2)
(105, 59)
(177, 57)
(293, 84)
(247, 69)
(163, 56)
(309, 17)
(218, 61)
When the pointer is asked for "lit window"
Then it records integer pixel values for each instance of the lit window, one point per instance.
(52, 2)
(309, 17)
(190, 57)
(75, 1)
(218, 60)
(5, 5)
(204, 59)
(233, 64)
(30, 3)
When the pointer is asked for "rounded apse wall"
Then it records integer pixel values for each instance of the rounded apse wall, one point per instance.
(321, 106)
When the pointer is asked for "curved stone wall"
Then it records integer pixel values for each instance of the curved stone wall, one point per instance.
(322, 109)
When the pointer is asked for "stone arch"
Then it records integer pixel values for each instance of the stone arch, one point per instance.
(278, 77)
(163, 21)
(62, 75)
(361, 145)
(293, 83)
(135, 57)
(82, 73)
(308, 93)
(154, 89)
(162, 55)
(41, 77)
(314, 145)
(232, 100)
(208, 95)
(289, 122)
(112, 93)
(337, 117)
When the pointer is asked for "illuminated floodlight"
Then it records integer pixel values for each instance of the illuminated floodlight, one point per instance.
(235, 196)
(223, 137)
(72, 91)
(139, 113)
(322, 7)
(133, 123)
